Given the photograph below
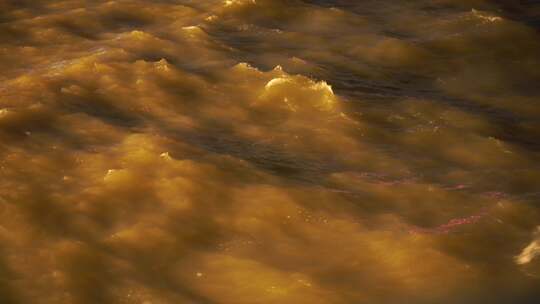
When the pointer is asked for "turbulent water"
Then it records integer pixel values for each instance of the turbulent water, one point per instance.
(269, 151)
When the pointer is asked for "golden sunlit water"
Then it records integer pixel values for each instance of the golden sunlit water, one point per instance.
(269, 151)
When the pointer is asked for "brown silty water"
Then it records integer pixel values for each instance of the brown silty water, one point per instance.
(258, 151)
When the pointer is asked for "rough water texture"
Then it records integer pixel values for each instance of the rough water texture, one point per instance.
(269, 151)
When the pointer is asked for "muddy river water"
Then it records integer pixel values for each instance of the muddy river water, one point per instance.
(269, 151)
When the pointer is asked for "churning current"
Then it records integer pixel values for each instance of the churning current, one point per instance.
(269, 152)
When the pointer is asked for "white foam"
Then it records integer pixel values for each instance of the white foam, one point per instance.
(165, 156)
(485, 17)
(530, 252)
(323, 86)
(110, 173)
(277, 81)
(238, 2)
(300, 92)
(162, 65)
